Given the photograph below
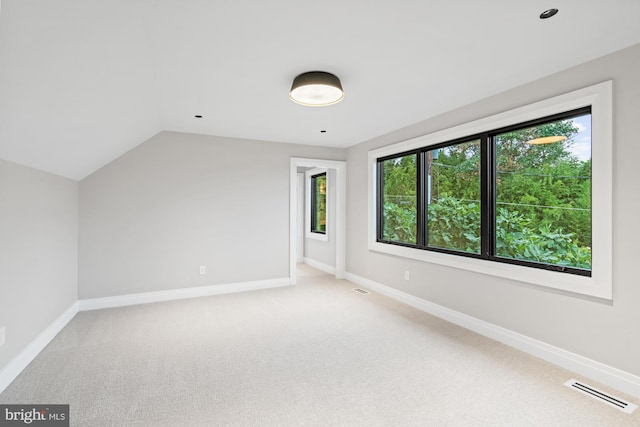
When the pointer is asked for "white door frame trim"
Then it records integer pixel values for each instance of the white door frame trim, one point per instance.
(341, 211)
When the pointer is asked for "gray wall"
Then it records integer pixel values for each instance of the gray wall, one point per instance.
(38, 253)
(149, 219)
(319, 250)
(606, 332)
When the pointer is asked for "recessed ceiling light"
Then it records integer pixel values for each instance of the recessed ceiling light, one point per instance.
(323, 131)
(316, 89)
(548, 13)
(198, 116)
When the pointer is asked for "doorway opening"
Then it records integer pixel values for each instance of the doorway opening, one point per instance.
(338, 170)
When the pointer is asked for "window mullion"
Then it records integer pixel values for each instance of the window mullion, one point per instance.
(421, 215)
(380, 200)
(487, 196)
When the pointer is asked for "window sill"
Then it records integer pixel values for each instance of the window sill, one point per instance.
(317, 236)
(594, 286)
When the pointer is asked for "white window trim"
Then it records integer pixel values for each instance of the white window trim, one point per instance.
(599, 285)
(307, 217)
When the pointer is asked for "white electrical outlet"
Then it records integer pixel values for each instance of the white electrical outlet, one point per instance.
(406, 275)
(203, 270)
(2, 336)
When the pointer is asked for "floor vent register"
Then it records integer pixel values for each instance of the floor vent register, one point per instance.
(600, 395)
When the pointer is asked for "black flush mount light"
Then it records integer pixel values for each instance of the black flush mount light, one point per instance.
(198, 116)
(548, 13)
(316, 89)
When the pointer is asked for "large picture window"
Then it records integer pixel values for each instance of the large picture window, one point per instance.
(525, 195)
(519, 195)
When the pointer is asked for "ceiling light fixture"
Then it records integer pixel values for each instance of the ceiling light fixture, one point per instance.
(547, 140)
(316, 89)
(548, 13)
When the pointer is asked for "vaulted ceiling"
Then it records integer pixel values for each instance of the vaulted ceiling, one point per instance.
(84, 81)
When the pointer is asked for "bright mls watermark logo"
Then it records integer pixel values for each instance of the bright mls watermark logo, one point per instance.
(34, 415)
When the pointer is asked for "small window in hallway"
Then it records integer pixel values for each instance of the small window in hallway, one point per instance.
(319, 203)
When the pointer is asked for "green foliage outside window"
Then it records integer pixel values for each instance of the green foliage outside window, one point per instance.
(454, 224)
(543, 197)
(453, 215)
(399, 219)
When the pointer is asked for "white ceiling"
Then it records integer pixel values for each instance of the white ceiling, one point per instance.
(84, 81)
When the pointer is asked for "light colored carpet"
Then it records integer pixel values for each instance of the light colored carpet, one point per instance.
(317, 354)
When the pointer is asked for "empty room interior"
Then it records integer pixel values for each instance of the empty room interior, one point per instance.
(336, 214)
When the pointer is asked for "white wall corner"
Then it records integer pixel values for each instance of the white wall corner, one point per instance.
(31, 351)
(608, 375)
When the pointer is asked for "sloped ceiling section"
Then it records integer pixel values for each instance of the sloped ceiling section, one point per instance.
(84, 81)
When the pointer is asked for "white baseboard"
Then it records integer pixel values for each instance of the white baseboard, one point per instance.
(320, 266)
(26, 356)
(610, 376)
(175, 294)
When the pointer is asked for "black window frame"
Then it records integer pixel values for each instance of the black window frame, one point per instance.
(380, 190)
(314, 202)
(488, 171)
